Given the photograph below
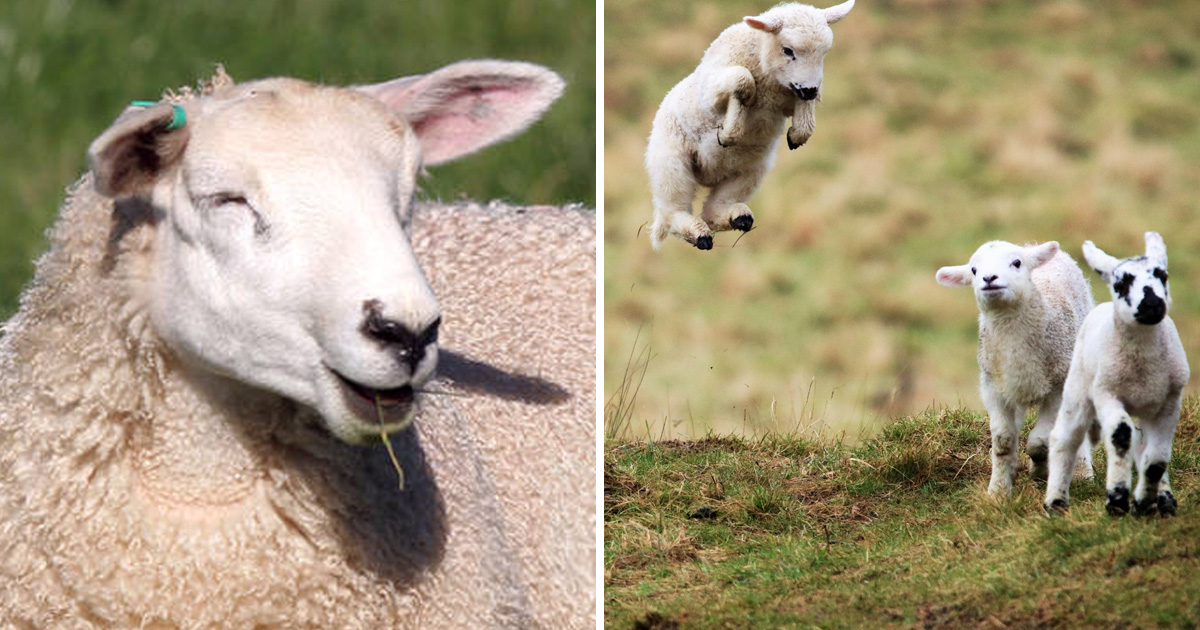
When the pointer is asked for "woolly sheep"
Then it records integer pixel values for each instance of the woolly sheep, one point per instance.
(176, 450)
(719, 127)
(1128, 361)
(1031, 301)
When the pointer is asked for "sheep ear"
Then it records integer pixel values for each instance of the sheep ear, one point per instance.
(129, 156)
(957, 276)
(1098, 260)
(1041, 254)
(1156, 248)
(773, 25)
(836, 13)
(469, 105)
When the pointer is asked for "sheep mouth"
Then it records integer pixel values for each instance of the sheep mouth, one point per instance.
(377, 406)
(993, 289)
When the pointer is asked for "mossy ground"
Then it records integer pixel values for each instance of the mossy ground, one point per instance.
(894, 532)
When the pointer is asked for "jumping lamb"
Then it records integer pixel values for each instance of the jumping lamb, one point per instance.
(1128, 361)
(1031, 300)
(719, 127)
(239, 296)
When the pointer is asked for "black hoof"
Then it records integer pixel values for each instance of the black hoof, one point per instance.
(1167, 503)
(1118, 501)
(1057, 507)
(794, 146)
(743, 223)
(1145, 507)
(704, 242)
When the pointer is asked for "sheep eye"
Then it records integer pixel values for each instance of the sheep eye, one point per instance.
(972, 271)
(216, 200)
(788, 52)
(1161, 274)
(1016, 264)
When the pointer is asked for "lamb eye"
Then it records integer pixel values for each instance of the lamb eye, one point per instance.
(788, 52)
(1016, 264)
(217, 200)
(1161, 274)
(972, 271)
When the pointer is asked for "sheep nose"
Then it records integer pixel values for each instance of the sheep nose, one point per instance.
(805, 93)
(408, 343)
(1152, 309)
(989, 279)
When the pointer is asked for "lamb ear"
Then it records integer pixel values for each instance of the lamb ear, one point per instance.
(1156, 248)
(1041, 254)
(770, 25)
(1098, 260)
(141, 144)
(836, 13)
(956, 276)
(469, 105)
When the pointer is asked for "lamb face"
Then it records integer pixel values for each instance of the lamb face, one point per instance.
(796, 42)
(1138, 284)
(281, 253)
(1000, 273)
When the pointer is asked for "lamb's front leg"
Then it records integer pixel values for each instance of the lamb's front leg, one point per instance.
(1117, 431)
(1075, 418)
(1005, 424)
(1153, 453)
(725, 208)
(731, 91)
(804, 123)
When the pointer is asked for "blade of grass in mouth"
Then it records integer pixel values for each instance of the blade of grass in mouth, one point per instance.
(383, 434)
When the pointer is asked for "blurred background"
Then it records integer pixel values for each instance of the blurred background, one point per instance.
(943, 125)
(68, 67)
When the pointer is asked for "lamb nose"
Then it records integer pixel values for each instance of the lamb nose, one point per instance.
(408, 343)
(989, 279)
(805, 93)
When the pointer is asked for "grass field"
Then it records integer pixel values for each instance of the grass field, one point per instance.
(68, 67)
(942, 125)
(896, 532)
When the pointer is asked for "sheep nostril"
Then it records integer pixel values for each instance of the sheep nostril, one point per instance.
(409, 344)
(805, 93)
(989, 279)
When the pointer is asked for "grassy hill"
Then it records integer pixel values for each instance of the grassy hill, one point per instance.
(895, 532)
(68, 67)
(942, 125)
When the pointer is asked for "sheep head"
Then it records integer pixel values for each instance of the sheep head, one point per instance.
(1139, 284)
(795, 40)
(1001, 273)
(281, 254)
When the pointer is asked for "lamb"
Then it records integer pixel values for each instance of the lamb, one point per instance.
(719, 127)
(1031, 302)
(230, 306)
(1128, 361)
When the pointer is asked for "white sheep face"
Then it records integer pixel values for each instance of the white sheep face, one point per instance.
(1139, 284)
(281, 255)
(999, 272)
(797, 39)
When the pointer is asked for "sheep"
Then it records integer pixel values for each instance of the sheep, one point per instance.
(1031, 301)
(1128, 361)
(719, 127)
(230, 307)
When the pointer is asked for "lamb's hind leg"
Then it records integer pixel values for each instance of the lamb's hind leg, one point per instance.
(1075, 417)
(1038, 445)
(725, 208)
(673, 189)
(732, 91)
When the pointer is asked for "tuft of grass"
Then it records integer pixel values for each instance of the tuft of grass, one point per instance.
(895, 532)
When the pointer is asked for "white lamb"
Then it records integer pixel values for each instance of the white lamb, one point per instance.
(1031, 302)
(231, 302)
(1128, 361)
(720, 126)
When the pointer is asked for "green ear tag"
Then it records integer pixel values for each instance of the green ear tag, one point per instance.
(178, 116)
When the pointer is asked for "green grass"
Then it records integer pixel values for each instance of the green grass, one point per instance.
(942, 125)
(896, 532)
(68, 67)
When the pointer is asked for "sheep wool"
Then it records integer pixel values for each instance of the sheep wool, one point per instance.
(137, 491)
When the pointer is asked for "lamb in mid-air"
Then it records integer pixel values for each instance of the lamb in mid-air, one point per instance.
(1128, 361)
(1032, 301)
(719, 127)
